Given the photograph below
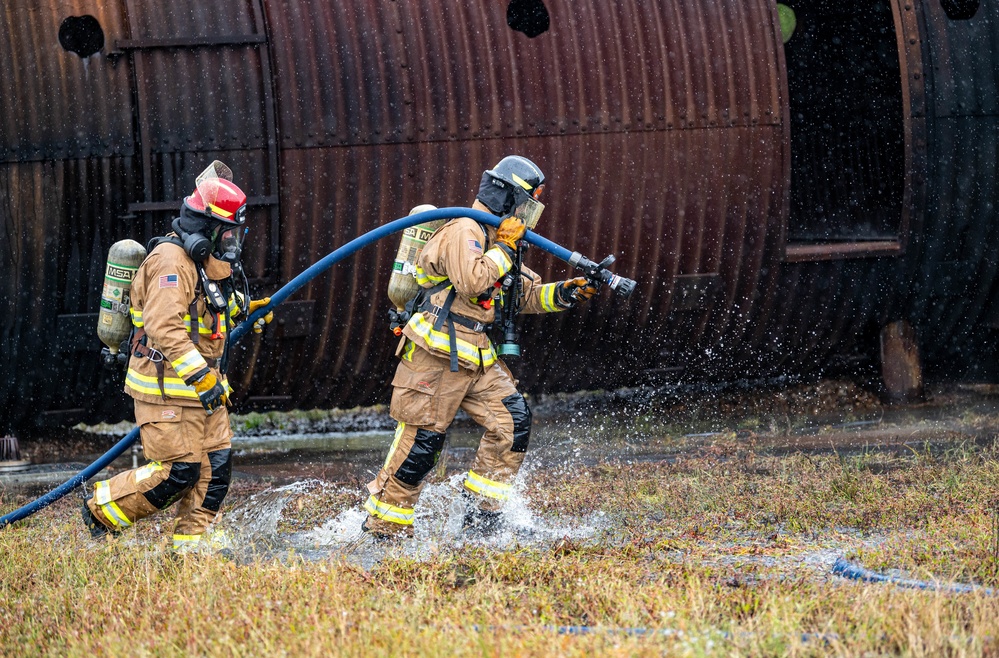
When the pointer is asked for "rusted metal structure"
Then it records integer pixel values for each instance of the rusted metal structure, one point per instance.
(778, 203)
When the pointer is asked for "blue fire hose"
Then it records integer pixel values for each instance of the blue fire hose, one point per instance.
(847, 569)
(597, 271)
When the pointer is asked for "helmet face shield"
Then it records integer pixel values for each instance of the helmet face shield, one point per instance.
(217, 197)
(229, 243)
(529, 211)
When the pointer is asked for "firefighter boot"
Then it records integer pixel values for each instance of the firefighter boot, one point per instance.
(385, 533)
(478, 522)
(96, 528)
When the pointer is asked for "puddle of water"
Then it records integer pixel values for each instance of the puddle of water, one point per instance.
(253, 527)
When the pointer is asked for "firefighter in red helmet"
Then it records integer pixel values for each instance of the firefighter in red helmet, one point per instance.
(185, 297)
(448, 362)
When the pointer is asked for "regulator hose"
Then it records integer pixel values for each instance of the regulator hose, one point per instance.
(286, 291)
(847, 569)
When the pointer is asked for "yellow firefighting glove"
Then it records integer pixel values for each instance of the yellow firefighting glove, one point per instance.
(255, 304)
(211, 393)
(574, 291)
(510, 230)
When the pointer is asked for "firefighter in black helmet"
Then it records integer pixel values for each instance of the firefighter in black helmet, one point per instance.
(512, 189)
(448, 362)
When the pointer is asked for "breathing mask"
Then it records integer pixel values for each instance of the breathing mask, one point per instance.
(228, 243)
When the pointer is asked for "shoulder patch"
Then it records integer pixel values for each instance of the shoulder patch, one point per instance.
(474, 246)
(168, 281)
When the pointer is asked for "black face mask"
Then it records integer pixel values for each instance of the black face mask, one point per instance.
(228, 243)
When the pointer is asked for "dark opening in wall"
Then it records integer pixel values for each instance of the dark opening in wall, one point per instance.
(528, 16)
(81, 35)
(960, 10)
(847, 130)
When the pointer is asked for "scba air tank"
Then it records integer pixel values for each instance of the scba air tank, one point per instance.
(114, 323)
(402, 285)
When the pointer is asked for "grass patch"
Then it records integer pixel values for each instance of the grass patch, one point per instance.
(720, 553)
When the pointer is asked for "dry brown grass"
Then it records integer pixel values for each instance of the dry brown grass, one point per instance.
(724, 553)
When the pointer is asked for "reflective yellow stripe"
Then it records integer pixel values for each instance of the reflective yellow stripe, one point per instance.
(425, 279)
(114, 514)
(181, 541)
(102, 492)
(407, 352)
(386, 512)
(489, 488)
(147, 471)
(439, 340)
(202, 329)
(189, 363)
(172, 386)
(399, 429)
(548, 298)
(520, 181)
(219, 211)
(498, 256)
(234, 309)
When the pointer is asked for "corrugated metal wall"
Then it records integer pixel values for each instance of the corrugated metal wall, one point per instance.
(658, 125)
(956, 295)
(661, 125)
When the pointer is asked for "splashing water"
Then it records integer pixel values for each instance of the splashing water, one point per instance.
(254, 529)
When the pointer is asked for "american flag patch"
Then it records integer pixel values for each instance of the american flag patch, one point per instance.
(473, 245)
(168, 281)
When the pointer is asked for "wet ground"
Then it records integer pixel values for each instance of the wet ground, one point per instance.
(285, 462)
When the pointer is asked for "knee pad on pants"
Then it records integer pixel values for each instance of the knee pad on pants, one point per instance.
(521, 414)
(422, 457)
(218, 486)
(182, 477)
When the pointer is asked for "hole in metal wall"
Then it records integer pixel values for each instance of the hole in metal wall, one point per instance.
(960, 10)
(81, 35)
(528, 16)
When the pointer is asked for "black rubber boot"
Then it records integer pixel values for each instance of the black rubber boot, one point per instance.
(96, 528)
(481, 523)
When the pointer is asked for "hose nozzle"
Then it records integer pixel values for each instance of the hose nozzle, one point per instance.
(598, 274)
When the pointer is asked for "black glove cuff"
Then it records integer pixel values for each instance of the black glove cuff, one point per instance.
(196, 376)
(563, 297)
(510, 253)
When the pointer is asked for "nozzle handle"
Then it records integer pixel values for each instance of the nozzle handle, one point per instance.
(598, 274)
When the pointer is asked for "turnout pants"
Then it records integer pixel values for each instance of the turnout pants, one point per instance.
(190, 461)
(426, 396)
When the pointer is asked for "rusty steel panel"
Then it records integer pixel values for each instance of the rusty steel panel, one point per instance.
(953, 295)
(396, 72)
(965, 57)
(51, 268)
(663, 127)
(56, 104)
(598, 184)
(661, 116)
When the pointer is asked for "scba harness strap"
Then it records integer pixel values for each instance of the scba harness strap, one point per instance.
(422, 302)
(139, 347)
(443, 313)
(138, 343)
